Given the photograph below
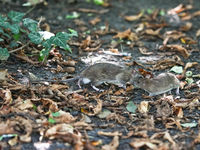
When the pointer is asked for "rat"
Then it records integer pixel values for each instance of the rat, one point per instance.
(162, 83)
(102, 72)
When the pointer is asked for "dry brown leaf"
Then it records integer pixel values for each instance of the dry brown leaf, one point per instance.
(178, 111)
(134, 17)
(143, 50)
(45, 27)
(67, 63)
(93, 10)
(186, 27)
(79, 22)
(188, 65)
(95, 21)
(6, 95)
(153, 32)
(164, 109)
(58, 129)
(177, 48)
(126, 34)
(144, 107)
(182, 84)
(96, 110)
(86, 43)
(3, 74)
(198, 33)
(197, 13)
(115, 133)
(139, 143)
(140, 27)
(172, 35)
(145, 74)
(120, 91)
(148, 25)
(117, 117)
(64, 117)
(187, 40)
(88, 49)
(113, 145)
(7, 127)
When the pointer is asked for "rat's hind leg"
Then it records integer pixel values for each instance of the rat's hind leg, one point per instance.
(95, 88)
(78, 83)
(177, 91)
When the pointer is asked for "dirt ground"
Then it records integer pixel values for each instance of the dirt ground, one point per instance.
(54, 14)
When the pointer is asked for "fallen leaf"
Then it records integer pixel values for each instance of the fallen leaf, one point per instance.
(131, 107)
(134, 17)
(177, 48)
(113, 145)
(144, 107)
(115, 133)
(186, 27)
(126, 34)
(3, 75)
(143, 50)
(187, 40)
(95, 21)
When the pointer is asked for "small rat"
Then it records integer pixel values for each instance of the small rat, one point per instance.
(162, 83)
(102, 72)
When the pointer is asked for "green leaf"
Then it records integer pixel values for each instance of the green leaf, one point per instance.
(27, 4)
(104, 113)
(2, 19)
(4, 54)
(14, 28)
(7, 35)
(189, 125)
(51, 120)
(47, 43)
(73, 32)
(1, 39)
(34, 107)
(150, 10)
(188, 73)
(35, 37)
(5, 24)
(16, 16)
(74, 15)
(43, 53)
(162, 12)
(99, 2)
(17, 36)
(22, 30)
(68, 48)
(56, 114)
(189, 80)
(59, 40)
(28, 21)
(131, 107)
(13, 44)
(1, 31)
(7, 136)
(32, 27)
(177, 69)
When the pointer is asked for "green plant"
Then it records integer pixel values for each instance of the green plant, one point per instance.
(14, 29)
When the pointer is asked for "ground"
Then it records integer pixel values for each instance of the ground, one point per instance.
(162, 118)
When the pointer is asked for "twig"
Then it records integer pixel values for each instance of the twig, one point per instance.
(20, 48)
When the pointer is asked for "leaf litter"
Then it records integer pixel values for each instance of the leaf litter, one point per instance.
(57, 111)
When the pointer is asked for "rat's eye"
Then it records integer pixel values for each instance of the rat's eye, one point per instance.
(138, 82)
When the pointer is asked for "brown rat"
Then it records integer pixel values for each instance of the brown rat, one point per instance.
(162, 83)
(103, 72)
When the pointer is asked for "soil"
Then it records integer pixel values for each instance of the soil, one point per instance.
(54, 15)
